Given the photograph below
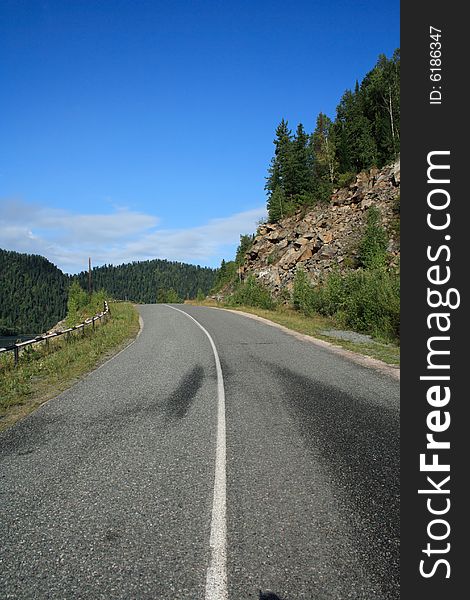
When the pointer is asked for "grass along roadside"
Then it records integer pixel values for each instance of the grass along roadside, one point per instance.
(43, 372)
(314, 326)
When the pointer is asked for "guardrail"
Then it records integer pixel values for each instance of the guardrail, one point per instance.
(45, 337)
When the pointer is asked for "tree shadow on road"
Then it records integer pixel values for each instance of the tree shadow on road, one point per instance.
(177, 405)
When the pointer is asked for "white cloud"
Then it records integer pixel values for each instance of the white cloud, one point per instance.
(123, 235)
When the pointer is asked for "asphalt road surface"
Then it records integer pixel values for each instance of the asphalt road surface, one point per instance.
(160, 476)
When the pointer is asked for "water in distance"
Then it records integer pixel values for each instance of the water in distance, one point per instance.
(9, 340)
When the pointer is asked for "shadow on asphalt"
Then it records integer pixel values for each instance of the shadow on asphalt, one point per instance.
(179, 402)
(359, 445)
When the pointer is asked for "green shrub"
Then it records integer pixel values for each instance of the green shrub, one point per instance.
(172, 297)
(345, 179)
(77, 300)
(273, 257)
(303, 295)
(96, 302)
(367, 301)
(373, 303)
(373, 246)
(80, 305)
(251, 293)
(168, 296)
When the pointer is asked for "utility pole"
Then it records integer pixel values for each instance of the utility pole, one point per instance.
(90, 288)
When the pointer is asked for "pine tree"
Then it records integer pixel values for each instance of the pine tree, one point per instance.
(246, 242)
(356, 145)
(277, 205)
(302, 165)
(366, 132)
(325, 164)
(282, 170)
(381, 93)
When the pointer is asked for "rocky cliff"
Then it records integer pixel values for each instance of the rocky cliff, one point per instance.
(327, 236)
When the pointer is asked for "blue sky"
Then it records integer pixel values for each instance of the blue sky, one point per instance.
(132, 130)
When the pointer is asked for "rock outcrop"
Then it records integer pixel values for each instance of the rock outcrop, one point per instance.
(327, 236)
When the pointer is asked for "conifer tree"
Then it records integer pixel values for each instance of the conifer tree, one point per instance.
(356, 145)
(381, 92)
(302, 165)
(246, 242)
(325, 163)
(366, 132)
(282, 170)
(277, 205)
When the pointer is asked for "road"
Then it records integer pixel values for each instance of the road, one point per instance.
(111, 489)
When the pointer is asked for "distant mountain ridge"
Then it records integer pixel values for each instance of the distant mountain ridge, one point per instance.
(140, 281)
(33, 291)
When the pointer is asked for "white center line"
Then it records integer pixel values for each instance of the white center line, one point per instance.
(216, 578)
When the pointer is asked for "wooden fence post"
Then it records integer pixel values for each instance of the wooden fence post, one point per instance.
(103, 315)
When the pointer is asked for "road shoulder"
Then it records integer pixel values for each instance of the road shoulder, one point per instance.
(361, 359)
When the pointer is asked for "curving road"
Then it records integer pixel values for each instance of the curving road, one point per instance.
(111, 490)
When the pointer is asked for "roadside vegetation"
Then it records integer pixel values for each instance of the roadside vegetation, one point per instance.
(81, 305)
(365, 300)
(45, 370)
(170, 296)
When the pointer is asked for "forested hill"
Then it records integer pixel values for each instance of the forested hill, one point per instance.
(33, 293)
(150, 281)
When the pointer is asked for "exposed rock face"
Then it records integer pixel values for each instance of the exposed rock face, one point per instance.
(328, 235)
